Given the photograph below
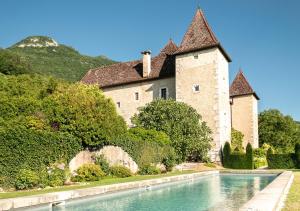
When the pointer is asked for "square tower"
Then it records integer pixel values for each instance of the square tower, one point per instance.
(201, 79)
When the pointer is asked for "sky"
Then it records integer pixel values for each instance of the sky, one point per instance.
(261, 36)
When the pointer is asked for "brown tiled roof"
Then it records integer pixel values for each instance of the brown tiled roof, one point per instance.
(162, 66)
(199, 36)
(240, 86)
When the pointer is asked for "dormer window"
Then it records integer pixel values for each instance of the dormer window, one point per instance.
(195, 56)
(196, 88)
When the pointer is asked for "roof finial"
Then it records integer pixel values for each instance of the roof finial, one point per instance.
(198, 5)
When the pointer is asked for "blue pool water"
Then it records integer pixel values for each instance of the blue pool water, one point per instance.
(214, 192)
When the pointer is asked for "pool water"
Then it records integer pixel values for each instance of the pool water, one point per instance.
(214, 192)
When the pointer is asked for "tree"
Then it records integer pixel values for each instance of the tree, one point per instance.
(237, 139)
(279, 131)
(189, 135)
(12, 64)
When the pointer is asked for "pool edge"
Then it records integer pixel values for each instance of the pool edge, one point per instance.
(48, 198)
(272, 197)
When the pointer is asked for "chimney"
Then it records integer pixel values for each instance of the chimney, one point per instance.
(146, 63)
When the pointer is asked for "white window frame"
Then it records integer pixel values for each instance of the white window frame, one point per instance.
(194, 88)
(167, 92)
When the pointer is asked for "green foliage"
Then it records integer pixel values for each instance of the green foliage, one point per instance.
(297, 154)
(237, 139)
(144, 152)
(59, 61)
(189, 135)
(279, 131)
(12, 64)
(260, 158)
(21, 147)
(210, 165)
(120, 171)
(238, 159)
(88, 172)
(150, 135)
(281, 161)
(149, 170)
(102, 162)
(26, 179)
(56, 177)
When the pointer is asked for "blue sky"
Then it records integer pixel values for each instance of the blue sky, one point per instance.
(261, 36)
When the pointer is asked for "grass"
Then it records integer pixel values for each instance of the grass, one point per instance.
(293, 198)
(105, 181)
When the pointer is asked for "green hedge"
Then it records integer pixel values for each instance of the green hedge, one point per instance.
(238, 160)
(281, 161)
(22, 148)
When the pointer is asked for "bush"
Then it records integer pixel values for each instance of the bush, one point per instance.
(297, 154)
(150, 135)
(120, 171)
(237, 159)
(281, 161)
(26, 179)
(190, 136)
(57, 177)
(237, 139)
(149, 170)
(102, 162)
(11, 63)
(88, 173)
(210, 165)
(169, 159)
(35, 149)
(144, 152)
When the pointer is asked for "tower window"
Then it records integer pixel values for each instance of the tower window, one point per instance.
(163, 93)
(196, 88)
(136, 96)
(118, 104)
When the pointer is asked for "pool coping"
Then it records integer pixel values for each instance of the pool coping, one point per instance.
(56, 197)
(272, 197)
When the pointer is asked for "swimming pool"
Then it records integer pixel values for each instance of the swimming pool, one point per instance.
(213, 192)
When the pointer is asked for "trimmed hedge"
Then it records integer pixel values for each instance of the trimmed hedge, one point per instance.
(284, 161)
(22, 148)
(238, 160)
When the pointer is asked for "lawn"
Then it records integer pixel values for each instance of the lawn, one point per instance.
(293, 198)
(105, 181)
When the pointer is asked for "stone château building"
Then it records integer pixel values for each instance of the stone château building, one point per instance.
(195, 72)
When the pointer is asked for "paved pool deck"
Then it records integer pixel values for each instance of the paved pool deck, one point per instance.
(269, 199)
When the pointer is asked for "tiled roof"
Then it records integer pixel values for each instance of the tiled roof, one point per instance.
(162, 66)
(199, 36)
(240, 86)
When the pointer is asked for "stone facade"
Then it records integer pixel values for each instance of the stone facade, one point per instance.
(125, 96)
(245, 118)
(209, 70)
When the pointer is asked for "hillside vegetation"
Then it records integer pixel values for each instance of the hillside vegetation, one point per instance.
(45, 56)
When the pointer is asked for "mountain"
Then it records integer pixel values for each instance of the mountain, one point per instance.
(46, 56)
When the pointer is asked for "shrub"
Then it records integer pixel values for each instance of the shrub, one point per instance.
(237, 159)
(297, 154)
(102, 162)
(281, 161)
(190, 136)
(150, 135)
(11, 63)
(57, 177)
(120, 171)
(169, 159)
(36, 149)
(143, 152)
(237, 139)
(26, 179)
(210, 165)
(88, 172)
(149, 170)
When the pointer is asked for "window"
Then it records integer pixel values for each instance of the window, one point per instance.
(195, 56)
(163, 93)
(118, 104)
(136, 96)
(196, 88)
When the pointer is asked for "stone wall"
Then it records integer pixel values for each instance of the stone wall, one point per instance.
(245, 118)
(209, 70)
(148, 91)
